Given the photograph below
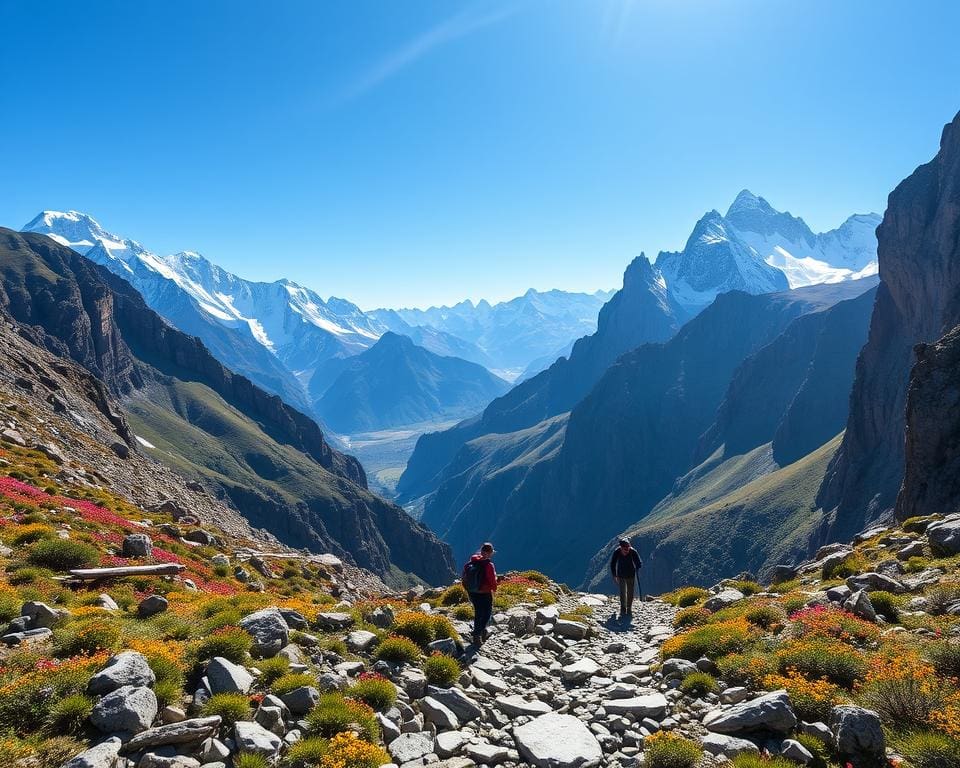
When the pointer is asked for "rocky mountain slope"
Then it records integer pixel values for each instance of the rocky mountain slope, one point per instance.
(918, 302)
(553, 495)
(265, 459)
(396, 382)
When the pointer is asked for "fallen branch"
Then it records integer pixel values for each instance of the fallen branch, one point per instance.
(166, 569)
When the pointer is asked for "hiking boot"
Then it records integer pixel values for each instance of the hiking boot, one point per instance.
(477, 639)
(485, 635)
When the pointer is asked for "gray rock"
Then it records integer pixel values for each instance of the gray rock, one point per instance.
(226, 677)
(137, 545)
(520, 622)
(557, 741)
(579, 671)
(833, 559)
(858, 735)
(839, 594)
(677, 669)
(944, 536)
(191, 731)
(729, 746)
(382, 617)
(516, 705)
(332, 562)
(875, 581)
(301, 700)
(41, 614)
(794, 750)
(271, 718)
(489, 683)
(125, 668)
(171, 714)
(547, 615)
(220, 559)
(150, 606)
(450, 743)
(269, 631)
(38, 635)
(103, 755)
(253, 737)
(734, 695)
(859, 604)
(107, 603)
(572, 629)
(771, 711)
(486, 753)
(914, 549)
(438, 714)
(130, 708)
(723, 599)
(360, 640)
(332, 681)
(332, 621)
(153, 760)
(445, 645)
(13, 436)
(389, 730)
(651, 704)
(414, 682)
(410, 746)
(819, 731)
(465, 708)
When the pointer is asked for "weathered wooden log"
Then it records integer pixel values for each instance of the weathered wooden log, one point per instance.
(166, 569)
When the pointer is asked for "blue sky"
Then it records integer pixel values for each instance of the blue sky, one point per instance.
(404, 153)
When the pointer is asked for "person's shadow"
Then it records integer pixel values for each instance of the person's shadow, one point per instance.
(613, 624)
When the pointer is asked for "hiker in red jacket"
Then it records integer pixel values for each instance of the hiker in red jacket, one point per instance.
(480, 580)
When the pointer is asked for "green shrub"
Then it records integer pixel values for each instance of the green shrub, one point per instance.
(712, 640)
(817, 659)
(9, 605)
(685, 597)
(307, 753)
(273, 669)
(63, 554)
(232, 643)
(754, 760)
(28, 694)
(851, 565)
(747, 587)
(535, 576)
(904, 702)
(422, 628)
(26, 575)
(928, 749)
(454, 595)
(229, 617)
(463, 612)
(746, 669)
(86, 636)
(335, 714)
(916, 564)
(917, 524)
(441, 670)
(698, 684)
(69, 715)
(230, 706)
(945, 657)
(766, 615)
(941, 597)
(819, 750)
(374, 691)
(250, 760)
(399, 650)
(669, 750)
(290, 682)
(335, 645)
(33, 533)
(886, 604)
(168, 692)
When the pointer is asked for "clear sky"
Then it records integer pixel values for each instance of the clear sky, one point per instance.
(409, 152)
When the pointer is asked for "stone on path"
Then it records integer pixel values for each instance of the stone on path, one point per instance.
(486, 753)
(557, 741)
(489, 683)
(450, 743)
(410, 746)
(579, 671)
(572, 629)
(438, 714)
(516, 705)
(465, 708)
(647, 705)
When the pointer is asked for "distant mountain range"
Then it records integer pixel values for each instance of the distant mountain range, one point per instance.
(288, 340)
(259, 455)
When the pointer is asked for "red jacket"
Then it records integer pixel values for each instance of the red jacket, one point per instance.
(488, 582)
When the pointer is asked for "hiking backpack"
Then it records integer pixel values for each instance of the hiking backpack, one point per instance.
(472, 576)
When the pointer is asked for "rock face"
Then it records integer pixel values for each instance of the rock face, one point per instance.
(557, 741)
(80, 311)
(771, 711)
(919, 255)
(931, 481)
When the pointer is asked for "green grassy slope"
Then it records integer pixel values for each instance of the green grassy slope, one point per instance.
(766, 521)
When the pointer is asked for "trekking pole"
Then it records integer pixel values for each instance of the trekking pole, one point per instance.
(639, 587)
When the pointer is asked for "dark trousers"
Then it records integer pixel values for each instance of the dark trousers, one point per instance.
(482, 610)
(626, 594)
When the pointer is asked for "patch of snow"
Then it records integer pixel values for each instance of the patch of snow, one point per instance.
(144, 442)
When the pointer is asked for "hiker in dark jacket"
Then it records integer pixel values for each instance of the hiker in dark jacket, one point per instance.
(623, 567)
(480, 581)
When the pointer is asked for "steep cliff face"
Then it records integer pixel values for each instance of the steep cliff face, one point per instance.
(270, 461)
(918, 301)
(931, 482)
